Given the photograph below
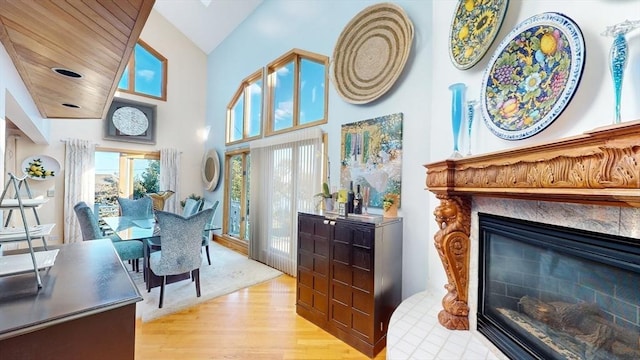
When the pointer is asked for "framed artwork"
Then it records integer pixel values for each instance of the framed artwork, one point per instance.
(130, 121)
(371, 156)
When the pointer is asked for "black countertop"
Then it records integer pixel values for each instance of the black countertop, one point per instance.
(87, 278)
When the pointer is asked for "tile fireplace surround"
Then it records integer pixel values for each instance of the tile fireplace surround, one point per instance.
(590, 182)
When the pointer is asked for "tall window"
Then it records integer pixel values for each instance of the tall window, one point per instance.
(237, 170)
(287, 170)
(297, 91)
(244, 112)
(146, 73)
(120, 174)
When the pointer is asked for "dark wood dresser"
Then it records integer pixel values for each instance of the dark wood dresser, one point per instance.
(349, 277)
(85, 309)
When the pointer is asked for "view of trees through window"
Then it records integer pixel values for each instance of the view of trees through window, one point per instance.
(124, 175)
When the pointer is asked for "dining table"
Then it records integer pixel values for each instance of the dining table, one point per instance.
(146, 230)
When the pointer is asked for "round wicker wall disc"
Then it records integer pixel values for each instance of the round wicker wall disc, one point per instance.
(371, 52)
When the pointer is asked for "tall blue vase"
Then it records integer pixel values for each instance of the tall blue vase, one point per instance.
(457, 115)
(617, 63)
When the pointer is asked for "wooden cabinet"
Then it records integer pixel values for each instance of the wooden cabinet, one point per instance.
(349, 277)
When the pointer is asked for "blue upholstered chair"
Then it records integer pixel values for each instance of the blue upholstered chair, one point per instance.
(206, 236)
(141, 208)
(127, 250)
(191, 206)
(181, 246)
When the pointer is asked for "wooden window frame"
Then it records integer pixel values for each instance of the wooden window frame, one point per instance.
(132, 72)
(244, 89)
(296, 56)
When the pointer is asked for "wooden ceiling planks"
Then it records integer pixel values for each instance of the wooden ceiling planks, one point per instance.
(91, 37)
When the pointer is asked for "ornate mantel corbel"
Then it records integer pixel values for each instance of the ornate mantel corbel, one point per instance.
(598, 167)
(453, 216)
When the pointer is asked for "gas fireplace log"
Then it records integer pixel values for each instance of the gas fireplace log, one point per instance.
(586, 324)
(624, 352)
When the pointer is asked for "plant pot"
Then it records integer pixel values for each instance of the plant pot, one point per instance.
(392, 210)
(328, 204)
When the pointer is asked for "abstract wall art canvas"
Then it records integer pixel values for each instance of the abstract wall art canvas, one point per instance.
(371, 156)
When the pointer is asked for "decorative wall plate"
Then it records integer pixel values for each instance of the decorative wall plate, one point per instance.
(473, 30)
(532, 76)
(40, 167)
(371, 52)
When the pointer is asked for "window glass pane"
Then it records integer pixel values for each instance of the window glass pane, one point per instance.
(283, 97)
(148, 72)
(146, 177)
(107, 175)
(255, 108)
(124, 80)
(235, 194)
(118, 174)
(311, 91)
(247, 223)
(236, 120)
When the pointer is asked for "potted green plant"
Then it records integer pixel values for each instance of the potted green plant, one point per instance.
(326, 196)
(390, 205)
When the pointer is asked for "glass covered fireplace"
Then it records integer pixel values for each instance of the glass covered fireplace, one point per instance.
(550, 292)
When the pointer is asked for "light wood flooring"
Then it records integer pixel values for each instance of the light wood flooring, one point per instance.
(259, 322)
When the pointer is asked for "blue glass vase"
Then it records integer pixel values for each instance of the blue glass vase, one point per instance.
(457, 114)
(471, 111)
(617, 63)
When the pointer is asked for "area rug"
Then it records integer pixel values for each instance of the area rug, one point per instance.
(229, 271)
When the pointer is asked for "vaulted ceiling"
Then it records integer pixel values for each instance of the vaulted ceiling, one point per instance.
(93, 38)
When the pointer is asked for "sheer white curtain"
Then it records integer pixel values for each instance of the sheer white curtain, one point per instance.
(169, 177)
(79, 183)
(285, 174)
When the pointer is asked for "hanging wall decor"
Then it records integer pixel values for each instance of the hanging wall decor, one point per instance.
(371, 156)
(532, 76)
(130, 121)
(474, 27)
(371, 53)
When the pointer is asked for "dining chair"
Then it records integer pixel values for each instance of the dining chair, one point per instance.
(141, 208)
(127, 250)
(191, 206)
(206, 236)
(180, 248)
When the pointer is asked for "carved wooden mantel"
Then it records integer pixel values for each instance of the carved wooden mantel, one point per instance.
(601, 166)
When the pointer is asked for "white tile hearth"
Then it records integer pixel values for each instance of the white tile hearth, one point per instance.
(415, 334)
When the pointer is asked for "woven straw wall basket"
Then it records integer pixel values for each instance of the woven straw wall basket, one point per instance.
(371, 52)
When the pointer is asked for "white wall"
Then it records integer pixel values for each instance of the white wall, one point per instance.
(421, 93)
(180, 118)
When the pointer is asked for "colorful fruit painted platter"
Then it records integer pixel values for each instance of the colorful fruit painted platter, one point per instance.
(474, 27)
(532, 76)
(40, 167)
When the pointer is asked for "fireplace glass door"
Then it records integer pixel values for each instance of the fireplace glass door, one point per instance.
(547, 292)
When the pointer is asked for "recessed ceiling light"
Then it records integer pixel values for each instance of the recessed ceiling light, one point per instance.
(67, 73)
(74, 106)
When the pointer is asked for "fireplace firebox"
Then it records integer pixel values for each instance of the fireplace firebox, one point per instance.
(550, 292)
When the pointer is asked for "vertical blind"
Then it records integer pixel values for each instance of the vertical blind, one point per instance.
(285, 174)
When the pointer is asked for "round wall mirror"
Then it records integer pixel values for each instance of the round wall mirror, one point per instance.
(210, 169)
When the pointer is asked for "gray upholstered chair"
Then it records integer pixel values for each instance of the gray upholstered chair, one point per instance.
(141, 208)
(181, 246)
(191, 206)
(206, 236)
(127, 250)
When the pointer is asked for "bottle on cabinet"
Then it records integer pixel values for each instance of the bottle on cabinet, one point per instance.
(357, 201)
(350, 197)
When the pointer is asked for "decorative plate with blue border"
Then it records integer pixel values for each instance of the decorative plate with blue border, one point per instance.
(532, 76)
(474, 27)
